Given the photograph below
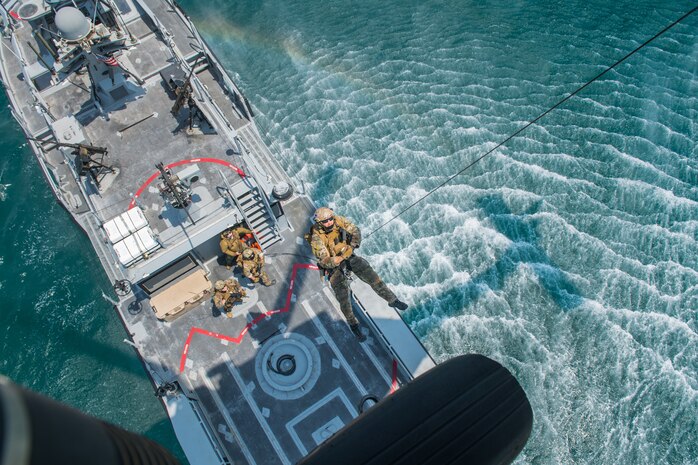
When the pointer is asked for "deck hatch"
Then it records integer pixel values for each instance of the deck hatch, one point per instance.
(320, 420)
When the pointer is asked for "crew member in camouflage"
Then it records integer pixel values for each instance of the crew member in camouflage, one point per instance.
(232, 245)
(333, 241)
(253, 266)
(228, 293)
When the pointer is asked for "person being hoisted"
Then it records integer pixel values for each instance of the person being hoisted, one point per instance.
(333, 240)
(253, 266)
(232, 245)
(228, 293)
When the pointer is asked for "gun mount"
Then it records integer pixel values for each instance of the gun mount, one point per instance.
(87, 163)
(173, 190)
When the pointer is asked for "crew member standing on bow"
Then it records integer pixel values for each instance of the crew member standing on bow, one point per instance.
(333, 240)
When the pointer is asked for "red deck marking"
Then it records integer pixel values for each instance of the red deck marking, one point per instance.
(394, 386)
(186, 347)
(178, 163)
(246, 329)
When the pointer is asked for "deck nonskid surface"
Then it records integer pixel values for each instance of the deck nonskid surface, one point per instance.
(260, 416)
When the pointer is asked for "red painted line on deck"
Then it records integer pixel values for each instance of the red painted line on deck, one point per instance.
(245, 330)
(393, 386)
(179, 163)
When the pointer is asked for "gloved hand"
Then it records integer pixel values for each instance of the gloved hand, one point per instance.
(347, 252)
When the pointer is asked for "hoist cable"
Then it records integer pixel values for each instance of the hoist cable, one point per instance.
(533, 121)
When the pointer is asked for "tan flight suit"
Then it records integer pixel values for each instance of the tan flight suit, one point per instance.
(231, 294)
(254, 268)
(329, 244)
(233, 246)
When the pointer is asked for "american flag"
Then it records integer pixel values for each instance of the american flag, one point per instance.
(109, 60)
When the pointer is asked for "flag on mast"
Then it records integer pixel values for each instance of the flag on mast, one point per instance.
(108, 60)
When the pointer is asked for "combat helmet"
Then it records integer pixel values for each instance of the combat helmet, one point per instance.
(220, 284)
(323, 214)
(247, 254)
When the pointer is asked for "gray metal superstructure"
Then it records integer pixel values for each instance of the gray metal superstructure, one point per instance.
(105, 91)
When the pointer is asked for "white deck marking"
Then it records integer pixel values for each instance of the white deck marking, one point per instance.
(374, 360)
(255, 409)
(290, 426)
(324, 432)
(330, 296)
(365, 347)
(226, 416)
(330, 342)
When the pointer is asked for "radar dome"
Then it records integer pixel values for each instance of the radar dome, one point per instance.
(72, 24)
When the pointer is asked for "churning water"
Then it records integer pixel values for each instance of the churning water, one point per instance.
(570, 255)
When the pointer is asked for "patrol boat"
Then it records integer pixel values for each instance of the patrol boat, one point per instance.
(152, 149)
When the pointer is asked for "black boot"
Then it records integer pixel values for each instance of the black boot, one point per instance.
(356, 329)
(399, 304)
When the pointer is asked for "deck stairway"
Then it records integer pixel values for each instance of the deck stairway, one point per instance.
(257, 214)
(47, 140)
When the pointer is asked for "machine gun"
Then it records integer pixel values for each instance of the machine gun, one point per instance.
(234, 298)
(173, 190)
(85, 162)
(183, 93)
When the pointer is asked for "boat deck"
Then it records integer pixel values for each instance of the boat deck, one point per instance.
(260, 416)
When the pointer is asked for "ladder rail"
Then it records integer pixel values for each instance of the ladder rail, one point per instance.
(268, 220)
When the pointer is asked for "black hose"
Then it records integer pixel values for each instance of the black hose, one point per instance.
(366, 398)
(279, 370)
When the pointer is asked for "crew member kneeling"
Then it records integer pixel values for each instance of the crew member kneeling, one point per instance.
(228, 293)
(253, 267)
(333, 240)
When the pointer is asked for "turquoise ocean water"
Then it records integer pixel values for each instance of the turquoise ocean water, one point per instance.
(570, 255)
